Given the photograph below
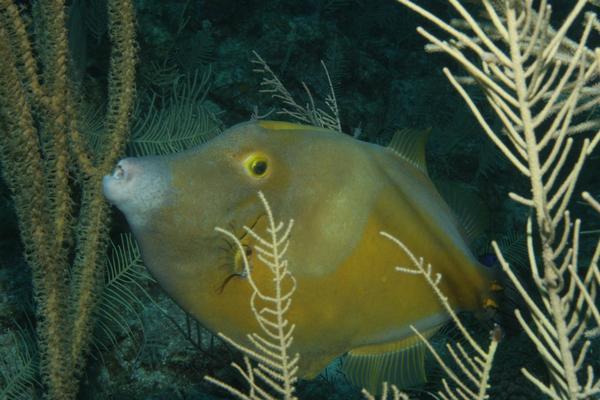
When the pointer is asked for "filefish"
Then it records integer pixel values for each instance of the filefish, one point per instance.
(341, 192)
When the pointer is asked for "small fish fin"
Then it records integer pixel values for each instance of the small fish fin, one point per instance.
(401, 363)
(468, 208)
(410, 145)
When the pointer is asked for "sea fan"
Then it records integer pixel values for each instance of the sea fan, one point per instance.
(180, 122)
(122, 295)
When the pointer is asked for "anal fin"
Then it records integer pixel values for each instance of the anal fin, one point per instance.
(401, 363)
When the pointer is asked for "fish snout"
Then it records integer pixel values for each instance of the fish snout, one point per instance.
(125, 170)
(137, 185)
(120, 185)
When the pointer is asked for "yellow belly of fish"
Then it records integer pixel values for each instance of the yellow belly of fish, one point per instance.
(365, 301)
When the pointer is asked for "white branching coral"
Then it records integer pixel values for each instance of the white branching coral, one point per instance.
(327, 117)
(541, 85)
(274, 369)
(387, 391)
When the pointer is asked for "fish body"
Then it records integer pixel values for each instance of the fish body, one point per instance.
(342, 193)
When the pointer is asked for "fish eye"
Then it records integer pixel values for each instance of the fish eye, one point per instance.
(257, 165)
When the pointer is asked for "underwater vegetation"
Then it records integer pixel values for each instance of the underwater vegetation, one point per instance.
(79, 317)
(54, 176)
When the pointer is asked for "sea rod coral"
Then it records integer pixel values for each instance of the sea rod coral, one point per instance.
(54, 178)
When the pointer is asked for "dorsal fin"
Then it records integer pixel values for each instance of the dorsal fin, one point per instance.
(410, 145)
(401, 363)
(288, 126)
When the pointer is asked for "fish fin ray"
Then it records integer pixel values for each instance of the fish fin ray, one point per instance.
(468, 208)
(401, 363)
(409, 144)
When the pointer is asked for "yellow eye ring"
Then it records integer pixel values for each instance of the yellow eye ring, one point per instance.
(257, 165)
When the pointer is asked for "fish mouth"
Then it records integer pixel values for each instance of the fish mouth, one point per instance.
(118, 173)
(116, 186)
(138, 186)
